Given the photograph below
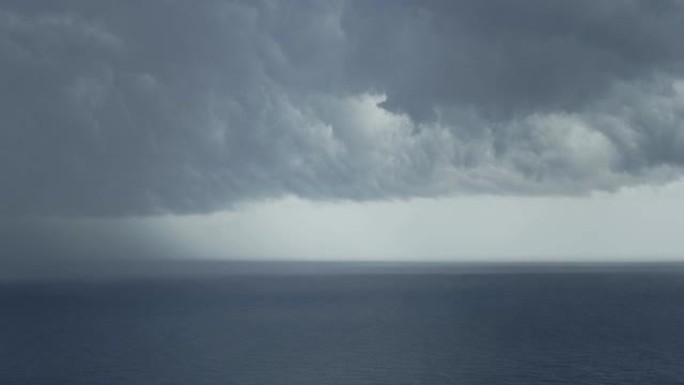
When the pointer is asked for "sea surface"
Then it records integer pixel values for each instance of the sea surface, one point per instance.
(578, 327)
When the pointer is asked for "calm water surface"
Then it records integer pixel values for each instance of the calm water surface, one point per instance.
(580, 328)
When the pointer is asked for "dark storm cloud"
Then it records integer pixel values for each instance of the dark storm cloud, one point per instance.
(136, 108)
(512, 57)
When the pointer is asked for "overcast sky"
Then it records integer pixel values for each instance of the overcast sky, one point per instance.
(427, 129)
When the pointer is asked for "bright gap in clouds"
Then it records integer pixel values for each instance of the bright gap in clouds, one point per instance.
(633, 224)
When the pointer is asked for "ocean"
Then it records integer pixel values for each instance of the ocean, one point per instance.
(578, 327)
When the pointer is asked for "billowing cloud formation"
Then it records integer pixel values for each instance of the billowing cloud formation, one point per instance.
(135, 108)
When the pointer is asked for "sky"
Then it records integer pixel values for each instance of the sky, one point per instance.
(344, 130)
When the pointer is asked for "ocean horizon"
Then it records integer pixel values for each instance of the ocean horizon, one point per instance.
(532, 325)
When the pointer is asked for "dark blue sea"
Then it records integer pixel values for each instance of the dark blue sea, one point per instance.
(478, 328)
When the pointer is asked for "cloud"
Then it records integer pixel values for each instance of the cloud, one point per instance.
(190, 107)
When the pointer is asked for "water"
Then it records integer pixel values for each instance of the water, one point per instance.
(579, 328)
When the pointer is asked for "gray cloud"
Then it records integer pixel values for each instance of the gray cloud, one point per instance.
(511, 58)
(129, 108)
